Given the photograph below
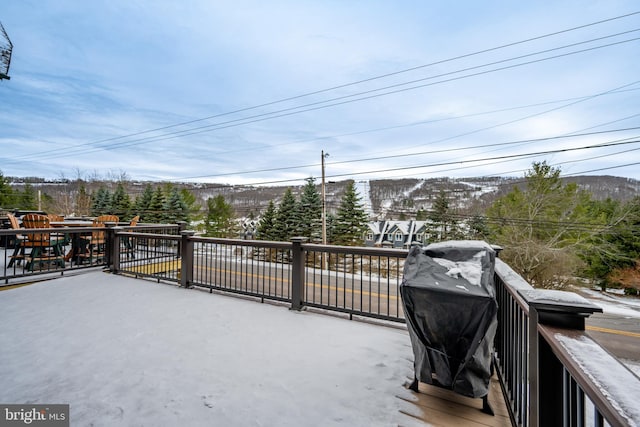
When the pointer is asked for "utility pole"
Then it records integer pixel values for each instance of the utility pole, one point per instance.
(324, 201)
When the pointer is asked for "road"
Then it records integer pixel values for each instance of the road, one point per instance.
(618, 328)
(341, 290)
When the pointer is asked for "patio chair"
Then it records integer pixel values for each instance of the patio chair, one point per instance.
(107, 218)
(45, 249)
(95, 244)
(59, 236)
(18, 252)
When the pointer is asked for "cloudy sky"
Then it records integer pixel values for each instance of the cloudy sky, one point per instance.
(252, 92)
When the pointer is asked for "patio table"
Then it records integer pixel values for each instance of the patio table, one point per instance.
(76, 244)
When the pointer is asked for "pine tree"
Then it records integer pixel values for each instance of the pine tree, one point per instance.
(267, 223)
(143, 204)
(175, 208)
(193, 209)
(287, 217)
(617, 246)
(331, 227)
(443, 225)
(478, 228)
(156, 211)
(6, 193)
(121, 202)
(310, 212)
(28, 198)
(101, 202)
(219, 221)
(351, 220)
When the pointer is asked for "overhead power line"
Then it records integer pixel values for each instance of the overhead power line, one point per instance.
(467, 161)
(382, 76)
(342, 100)
(447, 150)
(271, 114)
(443, 119)
(511, 172)
(511, 156)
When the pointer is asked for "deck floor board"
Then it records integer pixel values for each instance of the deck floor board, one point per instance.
(434, 406)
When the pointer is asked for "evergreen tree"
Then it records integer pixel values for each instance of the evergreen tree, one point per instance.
(443, 225)
(156, 211)
(478, 229)
(310, 212)
(46, 201)
(27, 198)
(101, 203)
(143, 204)
(331, 227)
(175, 208)
(6, 193)
(625, 234)
(266, 227)
(421, 215)
(351, 220)
(120, 202)
(193, 209)
(219, 221)
(617, 245)
(287, 218)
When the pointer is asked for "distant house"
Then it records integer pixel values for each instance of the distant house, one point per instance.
(374, 233)
(396, 234)
(248, 228)
(420, 233)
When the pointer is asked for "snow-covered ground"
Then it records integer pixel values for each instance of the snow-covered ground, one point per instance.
(362, 188)
(123, 351)
(613, 303)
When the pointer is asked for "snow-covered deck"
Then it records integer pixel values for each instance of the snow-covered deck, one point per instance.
(123, 351)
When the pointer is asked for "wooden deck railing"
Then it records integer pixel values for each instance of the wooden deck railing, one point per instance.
(552, 373)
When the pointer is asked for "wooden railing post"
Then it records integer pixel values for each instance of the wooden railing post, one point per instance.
(186, 251)
(115, 248)
(297, 273)
(110, 244)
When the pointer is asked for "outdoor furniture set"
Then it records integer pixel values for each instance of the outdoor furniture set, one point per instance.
(46, 249)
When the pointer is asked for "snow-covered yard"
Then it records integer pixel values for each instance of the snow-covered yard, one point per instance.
(123, 351)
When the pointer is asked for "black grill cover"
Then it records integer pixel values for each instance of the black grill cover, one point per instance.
(449, 301)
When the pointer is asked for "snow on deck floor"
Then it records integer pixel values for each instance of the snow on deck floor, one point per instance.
(123, 351)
